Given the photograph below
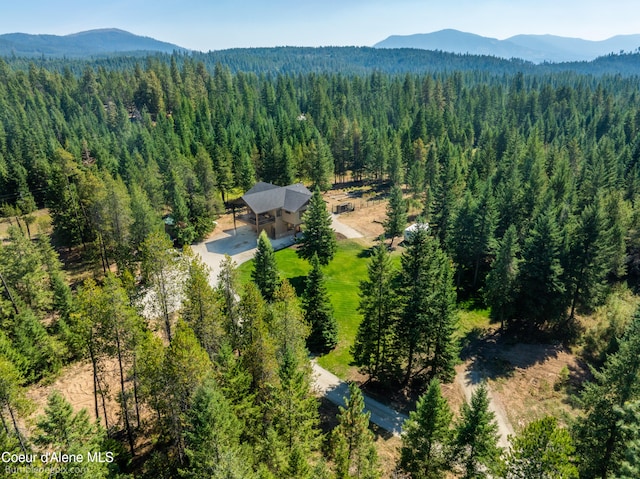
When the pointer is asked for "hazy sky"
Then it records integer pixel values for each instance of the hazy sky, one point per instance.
(217, 24)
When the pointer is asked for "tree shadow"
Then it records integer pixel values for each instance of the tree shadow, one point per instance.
(366, 253)
(299, 283)
(497, 354)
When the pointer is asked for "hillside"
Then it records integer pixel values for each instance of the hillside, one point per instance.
(83, 44)
(533, 48)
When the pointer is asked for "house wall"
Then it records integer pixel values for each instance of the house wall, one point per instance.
(293, 218)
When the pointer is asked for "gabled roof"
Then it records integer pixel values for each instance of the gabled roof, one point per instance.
(265, 197)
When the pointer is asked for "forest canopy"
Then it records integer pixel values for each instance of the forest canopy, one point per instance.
(528, 179)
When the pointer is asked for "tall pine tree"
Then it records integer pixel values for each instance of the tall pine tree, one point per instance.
(427, 436)
(374, 347)
(318, 311)
(599, 437)
(318, 237)
(265, 269)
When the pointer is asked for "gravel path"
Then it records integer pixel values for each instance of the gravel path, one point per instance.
(335, 390)
(346, 231)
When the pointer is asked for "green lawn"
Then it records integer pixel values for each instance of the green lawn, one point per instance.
(343, 276)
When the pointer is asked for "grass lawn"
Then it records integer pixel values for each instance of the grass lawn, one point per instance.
(343, 276)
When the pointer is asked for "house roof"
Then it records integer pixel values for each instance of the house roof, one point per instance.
(265, 197)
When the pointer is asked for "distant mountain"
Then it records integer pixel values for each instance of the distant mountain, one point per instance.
(534, 48)
(90, 43)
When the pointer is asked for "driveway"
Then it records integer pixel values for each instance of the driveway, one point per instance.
(240, 244)
(334, 389)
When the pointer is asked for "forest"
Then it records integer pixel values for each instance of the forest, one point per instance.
(528, 180)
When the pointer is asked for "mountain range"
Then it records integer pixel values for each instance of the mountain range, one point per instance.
(533, 48)
(90, 43)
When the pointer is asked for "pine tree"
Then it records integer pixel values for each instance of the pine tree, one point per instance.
(163, 270)
(12, 398)
(427, 436)
(501, 284)
(265, 269)
(321, 163)
(354, 451)
(590, 259)
(476, 437)
(426, 326)
(201, 306)
(228, 287)
(373, 349)
(318, 311)
(396, 220)
(318, 236)
(185, 367)
(212, 438)
(542, 291)
(257, 349)
(540, 451)
(145, 219)
(293, 415)
(630, 427)
(598, 436)
(61, 430)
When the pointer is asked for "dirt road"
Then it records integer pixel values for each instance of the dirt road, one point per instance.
(469, 378)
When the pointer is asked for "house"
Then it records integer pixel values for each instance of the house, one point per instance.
(275, 209)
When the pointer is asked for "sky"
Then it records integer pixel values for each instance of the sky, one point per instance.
(218, 24)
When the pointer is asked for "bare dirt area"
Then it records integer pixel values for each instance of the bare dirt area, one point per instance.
(526, 381)
(536, 384)
(370, 210)
(75, 384)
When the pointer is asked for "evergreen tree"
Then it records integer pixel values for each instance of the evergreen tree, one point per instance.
(476, 437)
(396, 220)
(501, 284)
(145, 219)
(354, 451)
(426, 326)
(228, 288)
(630, 427)
(374, 347)
(212, 438)
(201, 306)
(12, 398)
(427, 436)
(318, 237)
(265, 269)
(321, 163)
(61, 430)
(257, 348)
(293, 417)
(163, 270)
(541, 287)
(542, 450)
(590, 260)
(598, 436)
(185, 367)
(318, 311)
